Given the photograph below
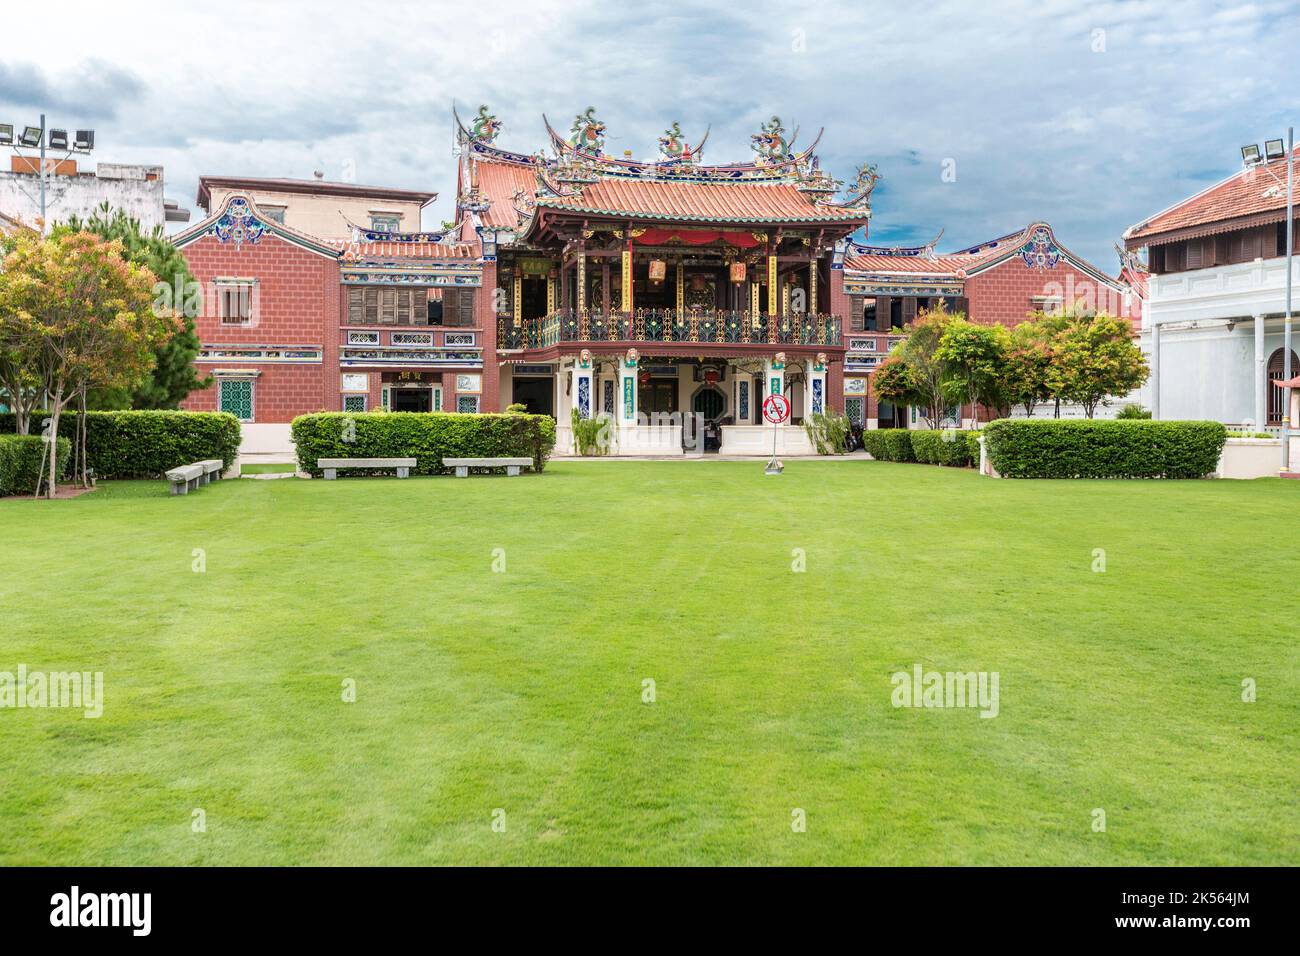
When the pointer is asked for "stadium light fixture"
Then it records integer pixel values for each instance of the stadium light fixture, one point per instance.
(1273, 149)
(31, 136)
(6, 134)
(84, 141)
(58, 139)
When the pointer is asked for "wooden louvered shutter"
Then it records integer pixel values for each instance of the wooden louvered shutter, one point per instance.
(450, 302)
(372, 305)
(884, 306)
(465, 311)
(1194, 254)
(909, 310)
(356, 306)
(387, 306)
(420, 306)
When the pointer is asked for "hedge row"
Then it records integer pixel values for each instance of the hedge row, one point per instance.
(23, 460)
(428, 437)
(958, 449)
(888, 444)
(144, 444)
(1104, 449)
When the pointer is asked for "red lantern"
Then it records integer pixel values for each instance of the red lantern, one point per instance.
(643, 378)
(711, 376)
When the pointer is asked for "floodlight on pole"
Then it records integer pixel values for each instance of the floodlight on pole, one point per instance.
(84, 140)
(58, 139)
(33, 135)
(1273, 149)
(1287, 370)
(6, 134)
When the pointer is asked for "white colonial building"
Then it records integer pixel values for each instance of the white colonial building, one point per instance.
(1212, 325)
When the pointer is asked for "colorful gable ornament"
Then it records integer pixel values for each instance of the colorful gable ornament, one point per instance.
(238, 224)
(1041, 252)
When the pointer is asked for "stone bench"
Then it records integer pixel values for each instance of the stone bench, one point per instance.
(463, 465)
(331, 466)
(212, 469)
(184, 478)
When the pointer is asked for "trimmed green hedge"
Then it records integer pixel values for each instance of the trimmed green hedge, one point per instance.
(21, 460)
(428, 437)
(948, 447)
(1104, 449)
(144, 444)
(888, 444)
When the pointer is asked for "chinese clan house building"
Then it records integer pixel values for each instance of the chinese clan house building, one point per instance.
(662, 291)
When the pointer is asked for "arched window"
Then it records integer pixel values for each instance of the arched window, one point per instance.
(1277, 396)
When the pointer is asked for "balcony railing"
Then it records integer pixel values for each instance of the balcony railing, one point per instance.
(668, 325)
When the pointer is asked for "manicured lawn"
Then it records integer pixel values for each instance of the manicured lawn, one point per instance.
(522, 690)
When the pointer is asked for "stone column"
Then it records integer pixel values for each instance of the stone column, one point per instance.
(584, 386)
(815, 399)
(1261, 374)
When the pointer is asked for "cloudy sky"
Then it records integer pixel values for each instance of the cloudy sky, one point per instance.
(1089, 115)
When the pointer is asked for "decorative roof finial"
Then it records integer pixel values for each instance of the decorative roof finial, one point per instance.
(588, 133)
(769, 142)
(486, 126)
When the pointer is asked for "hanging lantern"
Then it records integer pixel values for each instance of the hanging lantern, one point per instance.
(643, 377)
(658, 269)
(711, 376)
(737, 272)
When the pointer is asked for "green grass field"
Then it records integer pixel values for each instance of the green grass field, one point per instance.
(521, 690)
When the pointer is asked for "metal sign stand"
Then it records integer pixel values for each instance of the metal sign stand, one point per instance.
(776, 409)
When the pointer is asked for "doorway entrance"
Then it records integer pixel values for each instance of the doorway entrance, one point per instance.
(708, 403)
(537, 394)
(411, 400)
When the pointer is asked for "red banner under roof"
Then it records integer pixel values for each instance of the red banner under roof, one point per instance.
(655, 236)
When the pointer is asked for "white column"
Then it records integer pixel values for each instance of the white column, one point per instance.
(1155, 370)
(627, 372)
(773, 381)
(1261, 374)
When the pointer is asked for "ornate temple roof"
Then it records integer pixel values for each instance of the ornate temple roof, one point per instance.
(503, 190)
(1252, 196)
(703, 202)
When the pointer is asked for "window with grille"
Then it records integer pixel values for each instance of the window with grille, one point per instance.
(385, 223)
(855, 409)
(236, 397)
(467, 404)
(1277, 396)
(235, 303)
(354, 403)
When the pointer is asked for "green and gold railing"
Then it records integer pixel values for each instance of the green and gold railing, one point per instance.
(667, 325)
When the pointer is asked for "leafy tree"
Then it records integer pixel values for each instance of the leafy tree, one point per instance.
(974, 357)
(172, 376)
(19, 381)
(1027, 367)
(927, 370)
(87, 319)
(1096, 357)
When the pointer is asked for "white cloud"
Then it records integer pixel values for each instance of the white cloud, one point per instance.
(1038, 123)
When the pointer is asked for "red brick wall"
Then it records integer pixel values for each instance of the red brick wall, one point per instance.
(1004, 293)
(297, 303)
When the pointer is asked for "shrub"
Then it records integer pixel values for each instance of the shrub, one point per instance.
(1131, 412)
(888, 444)
(593, 437)
(973, 446)
(1104, 449)
(22, 458)
(828, 433)
(948, 447)
(428, 437)
(144, 444)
